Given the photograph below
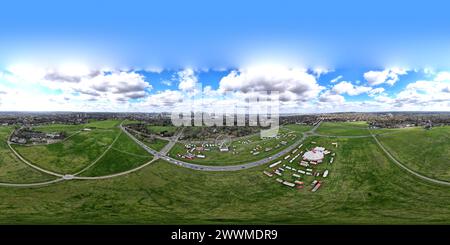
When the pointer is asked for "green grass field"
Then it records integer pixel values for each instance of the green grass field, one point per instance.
(159, 129)
(72, 154)
(157, 144)
(12, 170)
(124, 155)
(425, 151)
(343, 128)
(102, 124)
(69, 129)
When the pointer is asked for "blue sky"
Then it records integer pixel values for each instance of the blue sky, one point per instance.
(154, 46)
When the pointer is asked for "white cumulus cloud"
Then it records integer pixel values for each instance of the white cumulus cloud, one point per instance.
(345, 87)
(292, 84)
(388, 76)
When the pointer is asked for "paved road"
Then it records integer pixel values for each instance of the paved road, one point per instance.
(172, 142)
(436, 181)
(222, 168)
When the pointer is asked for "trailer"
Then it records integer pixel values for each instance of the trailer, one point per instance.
(296, 175)
(268, 174)
(325, 174)
(293, 159)
(301, 171)
(316, 187)
(286, 157)
(274, 164)
(300, 146)
(288, 184)
(299, 182)
(279, 180)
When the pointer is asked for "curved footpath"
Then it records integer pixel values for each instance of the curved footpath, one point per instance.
(36, 184)
(436, 181)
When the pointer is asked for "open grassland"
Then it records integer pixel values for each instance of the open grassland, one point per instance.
(51, 128)
(156, 144)
(124, 155)
(424, 151)
(363, 187)
(127, 122)
(343, 128)
(161, 129)
(297, 128)
(243, 150)
(12, 170)
(102, 124)
(71, 155)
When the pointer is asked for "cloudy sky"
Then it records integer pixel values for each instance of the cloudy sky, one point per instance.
(135, 56)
